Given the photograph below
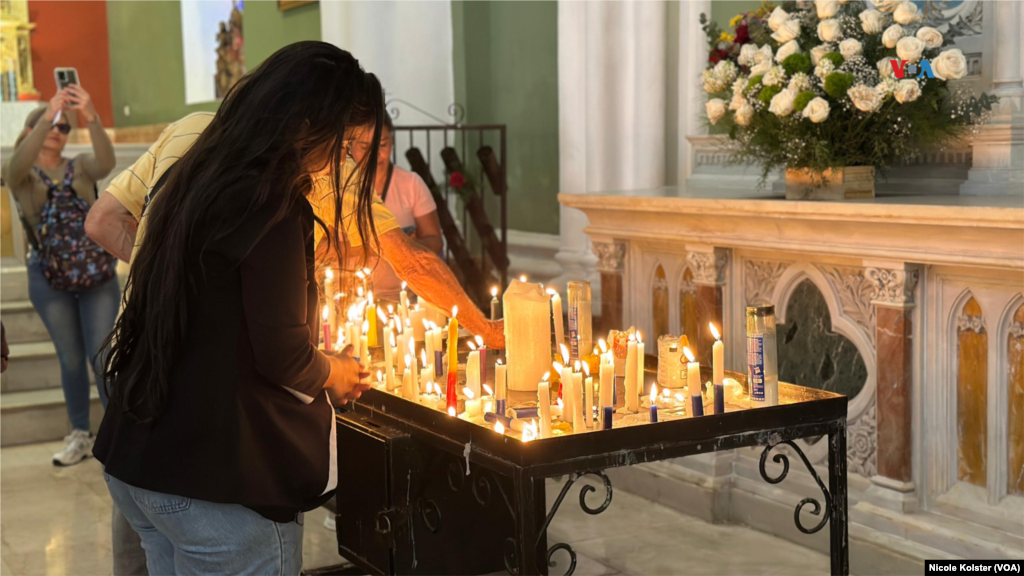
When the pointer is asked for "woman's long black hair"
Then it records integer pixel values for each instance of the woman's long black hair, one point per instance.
(276, 129)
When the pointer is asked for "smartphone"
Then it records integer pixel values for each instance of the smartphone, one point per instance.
(65, 77)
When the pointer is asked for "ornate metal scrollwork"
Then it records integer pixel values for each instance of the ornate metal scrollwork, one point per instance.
(572, 556)
(510, 557)
(482, 490)
(426, 507)
(781, 458)
(456, 475)
(455, 110)
(588, 489)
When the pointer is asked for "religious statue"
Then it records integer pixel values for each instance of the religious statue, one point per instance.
(230, 53)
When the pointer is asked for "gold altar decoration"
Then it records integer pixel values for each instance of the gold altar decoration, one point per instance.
(848, 183)
(16, 51)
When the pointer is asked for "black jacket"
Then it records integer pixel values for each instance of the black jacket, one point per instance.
(230, 431)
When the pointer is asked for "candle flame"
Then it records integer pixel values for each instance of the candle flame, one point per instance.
(468, 392)
(380, 315)
(408, 324)
(714, 331)
(522, 278)
(654, 393)
(366, 271)
(393, 343)
(408, 361)
(360, 275)
(546, 376)
(404, 284)
(552, 292)
(479, 341)
(471, 345)
(426, 325)
(380, 375)
(433, 325)
(327, 311)
(488, 389)
(455, 312)
(576, 366)
(665, 393)
(400, 328)
(689, 355)
(559, 402)
(451, 411)
(680, 398)
(499, 428)
(366, 326)
(391, 310)
(359, 291)
(639, 339)
(329, 275)
(498, 363)
(558, 366)
(632, 337)
(494, 292)
(338, 297)
(586, 369)
(411, 346)
(603, 345)
(423, 357)
(565, 353)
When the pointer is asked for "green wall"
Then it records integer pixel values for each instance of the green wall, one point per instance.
(506, 72)
(724, 10)
(147, 69)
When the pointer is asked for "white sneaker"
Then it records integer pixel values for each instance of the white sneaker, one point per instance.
(77, 447)
(330, 523)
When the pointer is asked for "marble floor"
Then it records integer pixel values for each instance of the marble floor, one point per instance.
(57, 521)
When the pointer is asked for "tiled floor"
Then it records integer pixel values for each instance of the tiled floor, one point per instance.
(57, 521)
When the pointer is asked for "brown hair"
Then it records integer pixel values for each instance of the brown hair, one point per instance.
(30, 122)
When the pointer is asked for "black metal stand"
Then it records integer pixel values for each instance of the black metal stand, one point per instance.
(496, 461)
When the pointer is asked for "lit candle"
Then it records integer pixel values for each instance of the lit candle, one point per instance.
(364, 346)
(483, 358)
(403, 299)
(588, 398)
(565, 375)
(410, 348)
(544, 404)
(718, 369)
(556, 315)
(453, 361)
(527, 334)
(641, 385)
(607, 381)
(428, 340)
(473, 369)
(426, 371)
(632, 393)
(327, 329)
(654, 402)
(499, 387)
(407, 387)
(416, 319)
(389, 367)
(578, 423)
(474, 408)
(494, 304)
(693, 384)
(371, 316)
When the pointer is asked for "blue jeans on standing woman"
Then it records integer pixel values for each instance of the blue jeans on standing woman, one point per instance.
(78, 323)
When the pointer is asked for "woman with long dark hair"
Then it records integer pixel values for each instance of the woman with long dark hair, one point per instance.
(220, 431)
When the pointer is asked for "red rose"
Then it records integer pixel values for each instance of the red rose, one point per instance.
(717, 55)
(457, 180)
(742, 34)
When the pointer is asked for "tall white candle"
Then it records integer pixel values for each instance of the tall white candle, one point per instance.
(641, 384)
(718, 369)
(544, 405)
(527, 334)
(499, 381)
(473, 372)
(579, 424)
(428, 343)
(556, 315)
(438, 339)
(588, 398)
(364, 345)
(565, 375)
(632, 393)
(607, 375)
(407, 386)
(410, 349)
(416, 317)
(693, 384)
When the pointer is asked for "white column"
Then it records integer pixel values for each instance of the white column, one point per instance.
(693, 57)
(611, 103)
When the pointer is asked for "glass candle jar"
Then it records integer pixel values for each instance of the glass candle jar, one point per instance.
(762, 356)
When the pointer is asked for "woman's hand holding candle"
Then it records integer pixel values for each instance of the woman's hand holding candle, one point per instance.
(343, 382)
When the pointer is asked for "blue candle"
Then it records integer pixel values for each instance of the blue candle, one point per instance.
(697, 405)
(499, 406)
(492, 418)
(719, 399)
(438, 363)
(654, 413)
(608, 418)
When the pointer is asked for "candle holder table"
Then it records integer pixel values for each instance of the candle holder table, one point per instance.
(463, 498)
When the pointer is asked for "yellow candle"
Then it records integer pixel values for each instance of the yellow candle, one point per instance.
(453, 342)
(371, 317)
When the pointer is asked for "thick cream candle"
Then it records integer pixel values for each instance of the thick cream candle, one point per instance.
(632, 392)
(527, 334)
(544, 406)
(556, 315)
(693, 384)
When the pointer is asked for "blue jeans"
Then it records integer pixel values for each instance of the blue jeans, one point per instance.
(78, 323)
(188, 536)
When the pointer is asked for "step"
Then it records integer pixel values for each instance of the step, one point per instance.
(31, 366)
(21, 322)
(40, 416)
(13, 280)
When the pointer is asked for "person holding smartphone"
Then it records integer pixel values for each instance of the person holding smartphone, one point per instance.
(77, 319)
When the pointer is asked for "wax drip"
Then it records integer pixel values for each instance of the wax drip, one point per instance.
(465, 452)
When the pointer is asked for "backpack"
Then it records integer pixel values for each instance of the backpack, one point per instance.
(69, 258)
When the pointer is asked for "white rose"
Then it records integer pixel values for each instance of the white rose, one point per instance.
(739, 86)
(762, 61)
(788, 30)
(782, 103)
(829, 30)
(865, 98)
(774, 76)
(826, 8)
(711, 83)
(737, 102)
(872, 21)
(715, 109)
(726, 71)
(931, 37)
(892, 35)
(907, 13)
(816, 110)
(950, 65)
(907, 91)
(747, 54)
(786, 50)
(820, 50)
(777, 17)
(909, 48)
(799, 82)
(884, 68)
(744, 115)
(850, 48)
(887, 5)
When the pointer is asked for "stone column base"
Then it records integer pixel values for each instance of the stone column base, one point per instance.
(892, 494)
